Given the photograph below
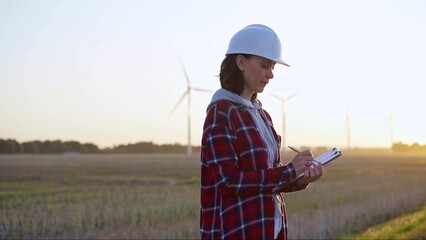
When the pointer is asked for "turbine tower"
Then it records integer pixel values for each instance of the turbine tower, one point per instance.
(187, 93)
(348, 129)
(283, 109)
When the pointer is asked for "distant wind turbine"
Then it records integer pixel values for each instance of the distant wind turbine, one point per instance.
(187, 93)
(348, 129)
(283, 109)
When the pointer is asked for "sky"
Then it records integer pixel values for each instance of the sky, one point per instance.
(108, 72)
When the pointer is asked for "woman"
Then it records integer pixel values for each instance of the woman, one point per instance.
(240, 155)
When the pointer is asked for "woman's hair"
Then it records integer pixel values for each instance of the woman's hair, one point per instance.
(231, 77)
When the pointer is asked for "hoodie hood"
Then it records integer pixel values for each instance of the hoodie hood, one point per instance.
(223, 94)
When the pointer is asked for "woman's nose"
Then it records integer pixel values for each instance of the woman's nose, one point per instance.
(270, 74)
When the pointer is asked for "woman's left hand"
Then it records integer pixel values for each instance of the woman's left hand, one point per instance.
(312, 174)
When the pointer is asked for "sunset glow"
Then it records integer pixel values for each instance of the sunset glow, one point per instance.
(107, 72)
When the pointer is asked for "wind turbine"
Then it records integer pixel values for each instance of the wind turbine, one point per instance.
(348, 129)
(187, 93)
(283, 109)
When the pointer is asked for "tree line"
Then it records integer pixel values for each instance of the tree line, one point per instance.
(11, 146)
(402, 147)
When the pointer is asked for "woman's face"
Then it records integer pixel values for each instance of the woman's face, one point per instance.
(256, 72)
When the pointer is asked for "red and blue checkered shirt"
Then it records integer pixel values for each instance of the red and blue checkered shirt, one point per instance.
(236, 183)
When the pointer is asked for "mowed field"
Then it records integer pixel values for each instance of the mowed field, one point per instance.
(157, 196)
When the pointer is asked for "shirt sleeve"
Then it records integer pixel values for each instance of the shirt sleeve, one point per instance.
(293, 186)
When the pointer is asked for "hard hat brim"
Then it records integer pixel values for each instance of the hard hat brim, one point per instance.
(280, 61)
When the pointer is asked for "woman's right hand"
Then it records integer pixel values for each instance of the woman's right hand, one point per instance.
(302, 161)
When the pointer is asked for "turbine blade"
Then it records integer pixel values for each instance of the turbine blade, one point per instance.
(294, 94)
(201, 90)
(276, 96)
(184, 72)
(180, 100)
(390, 119)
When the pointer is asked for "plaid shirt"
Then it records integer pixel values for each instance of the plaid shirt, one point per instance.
(236, 184)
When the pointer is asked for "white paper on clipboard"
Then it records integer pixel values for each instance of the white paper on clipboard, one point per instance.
(328, 156)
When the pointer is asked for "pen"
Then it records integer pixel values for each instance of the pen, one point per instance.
(298, 151)
(294, 149)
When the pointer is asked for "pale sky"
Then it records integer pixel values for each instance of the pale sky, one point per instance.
(107, 72)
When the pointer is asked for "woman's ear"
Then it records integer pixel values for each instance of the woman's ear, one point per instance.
(241, 62)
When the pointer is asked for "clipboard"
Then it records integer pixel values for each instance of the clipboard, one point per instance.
(328, 156)
(323, 158)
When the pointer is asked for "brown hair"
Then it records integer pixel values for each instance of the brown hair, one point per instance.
(231, 77)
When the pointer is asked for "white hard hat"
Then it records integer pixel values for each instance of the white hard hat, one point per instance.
(258, 40)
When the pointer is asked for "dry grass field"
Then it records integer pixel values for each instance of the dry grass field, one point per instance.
(157, 196)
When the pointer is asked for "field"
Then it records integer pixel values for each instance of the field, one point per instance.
(157, 196)
(408, 226)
